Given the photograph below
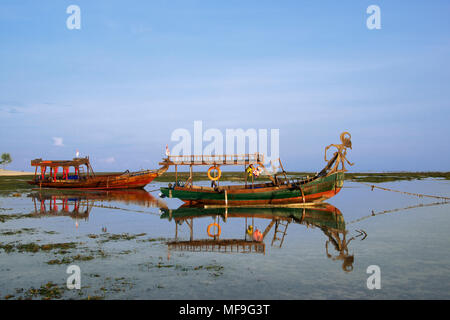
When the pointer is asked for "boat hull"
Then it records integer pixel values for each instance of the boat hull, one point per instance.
(315, 191)
(106, 182)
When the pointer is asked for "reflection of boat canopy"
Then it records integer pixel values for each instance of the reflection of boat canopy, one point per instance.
(61, 206)
(224, 246)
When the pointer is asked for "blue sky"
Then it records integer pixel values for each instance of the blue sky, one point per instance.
(137, 70)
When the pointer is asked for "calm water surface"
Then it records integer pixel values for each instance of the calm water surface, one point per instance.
(136, 245)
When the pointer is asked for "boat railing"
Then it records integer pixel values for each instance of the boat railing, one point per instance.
(139, 173)
(222, 159)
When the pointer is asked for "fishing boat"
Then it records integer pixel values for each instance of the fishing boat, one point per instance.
(84, 177)
(281, 190)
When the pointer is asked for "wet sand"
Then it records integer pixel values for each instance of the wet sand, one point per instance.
(14, 173)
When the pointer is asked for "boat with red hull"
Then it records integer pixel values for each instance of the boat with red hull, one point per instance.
(85, 178)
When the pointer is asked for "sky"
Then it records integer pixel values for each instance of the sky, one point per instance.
(136, 71)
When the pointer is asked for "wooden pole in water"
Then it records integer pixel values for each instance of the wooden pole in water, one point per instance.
(226, 204)
(253, 224)
(176, 230)
(226, 198)
(34, 201)
(215, 221)
(245, 237)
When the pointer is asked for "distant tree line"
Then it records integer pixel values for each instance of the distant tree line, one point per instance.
(5, 159)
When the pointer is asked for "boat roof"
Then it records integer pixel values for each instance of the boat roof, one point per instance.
(60, 163)
(221, 159)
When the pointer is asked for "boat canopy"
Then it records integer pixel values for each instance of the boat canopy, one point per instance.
(214, 160)
(76, 162)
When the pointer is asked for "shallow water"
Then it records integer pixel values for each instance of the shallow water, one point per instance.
(122, 246)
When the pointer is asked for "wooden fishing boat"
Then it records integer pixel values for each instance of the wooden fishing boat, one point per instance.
(279, 191)
(85, 178)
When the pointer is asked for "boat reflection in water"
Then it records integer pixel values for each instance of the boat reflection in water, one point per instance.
(325, 217)
(78, 204)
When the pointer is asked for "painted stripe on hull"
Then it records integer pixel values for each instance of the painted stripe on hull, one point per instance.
(314, 191)
(317, 197)
(122, 183)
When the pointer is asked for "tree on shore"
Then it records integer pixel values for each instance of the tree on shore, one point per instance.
(5, 159)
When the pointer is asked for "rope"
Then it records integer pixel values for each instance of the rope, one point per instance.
(123, 209)
(396, 210)
(404, 192)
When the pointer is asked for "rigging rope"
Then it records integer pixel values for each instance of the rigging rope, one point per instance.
(404, 192)
(123, 209)
(398, 209)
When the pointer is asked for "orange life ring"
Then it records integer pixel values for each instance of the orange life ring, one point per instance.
(218, 230)
(218, 171)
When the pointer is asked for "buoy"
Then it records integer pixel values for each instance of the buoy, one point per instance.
(218, 172)
(209, 229)
(257, 235)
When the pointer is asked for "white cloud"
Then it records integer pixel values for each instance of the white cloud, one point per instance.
(58, 141)
(109, 160)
